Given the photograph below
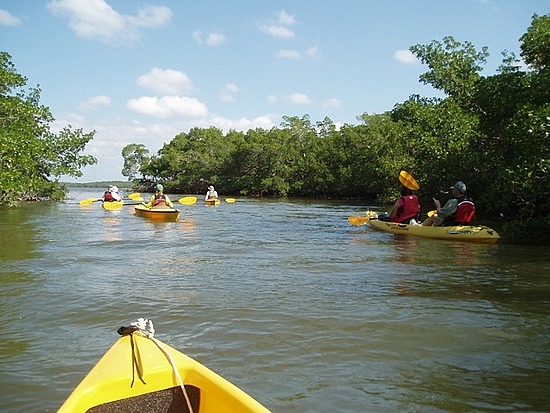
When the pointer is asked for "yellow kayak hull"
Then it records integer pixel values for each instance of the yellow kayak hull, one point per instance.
(469, 233)
(157, 214)
(212, 202)
(136, 372)
(112, 205)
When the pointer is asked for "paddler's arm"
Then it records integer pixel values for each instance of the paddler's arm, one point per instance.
(168, 202)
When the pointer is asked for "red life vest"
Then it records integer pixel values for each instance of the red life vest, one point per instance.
(409, 209)
(465, 211)
(159, 199)
(108, 197)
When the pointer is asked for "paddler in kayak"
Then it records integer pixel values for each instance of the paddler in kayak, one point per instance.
(406, 209)
(159, 199)
(459, 210)
(111, 195)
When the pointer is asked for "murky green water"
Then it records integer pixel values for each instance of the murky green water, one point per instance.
(285, 299)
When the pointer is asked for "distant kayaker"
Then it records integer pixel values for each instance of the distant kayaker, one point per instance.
(111, 195)
(211, 194)
(459, 210)
(159, 199)
(406, 208)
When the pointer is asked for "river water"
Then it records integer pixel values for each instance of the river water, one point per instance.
(284, 298)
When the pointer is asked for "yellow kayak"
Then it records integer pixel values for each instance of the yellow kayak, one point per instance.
(470, 233)
(141, 373)
(112, 205)
(212, 202)
(158, 214)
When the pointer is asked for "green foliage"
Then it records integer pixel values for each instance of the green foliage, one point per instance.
(535, 47)
(32, 158)
(454, 67)
(135, 156)
(491, 132)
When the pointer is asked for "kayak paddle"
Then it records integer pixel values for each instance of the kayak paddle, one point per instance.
(187, 200)
(359, 220)
(88, 201)
(408, 181)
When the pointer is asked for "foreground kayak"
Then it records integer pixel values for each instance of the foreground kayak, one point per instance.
(158, 214)
(470, 233)
(140, 373)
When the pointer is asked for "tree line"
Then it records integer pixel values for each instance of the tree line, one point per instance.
(491, 132)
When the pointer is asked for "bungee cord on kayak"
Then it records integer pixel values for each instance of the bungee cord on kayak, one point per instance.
(146, 328)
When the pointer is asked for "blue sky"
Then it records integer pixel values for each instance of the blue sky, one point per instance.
(143, 71)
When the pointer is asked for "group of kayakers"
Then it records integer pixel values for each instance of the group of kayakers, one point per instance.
(458, 210)
(158, 200)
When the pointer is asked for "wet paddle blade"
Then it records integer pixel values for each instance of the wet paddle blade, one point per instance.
(188, 200)
(358, 220)
(230, 200)
(88, 201)
(408, 181)
(135, 196)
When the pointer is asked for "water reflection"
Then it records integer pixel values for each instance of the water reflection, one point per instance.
(112, 225)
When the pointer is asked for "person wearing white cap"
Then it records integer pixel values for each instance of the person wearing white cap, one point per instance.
(111, 194)
(459, 210)
(211, 194)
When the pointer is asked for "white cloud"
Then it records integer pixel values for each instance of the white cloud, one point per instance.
(332, 103)
(272, 99)
(280, 28)
(165, 81)
(95, 101)
(215, 39)
(227, 93)
(8, 19)
(241, 124)
(298, 99)
(288, 54)
(167, 106)
(97, 20)
(313, 52)
(212, 39)
(286, 19)
(278, 31)
(405, 56)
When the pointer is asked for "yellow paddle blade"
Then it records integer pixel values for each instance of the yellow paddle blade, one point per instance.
(187, 200)
(88, 201)
(230, 200)
(433, 212)
(135, 196)
(408, 181)
(113, 206)
(358, 220)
